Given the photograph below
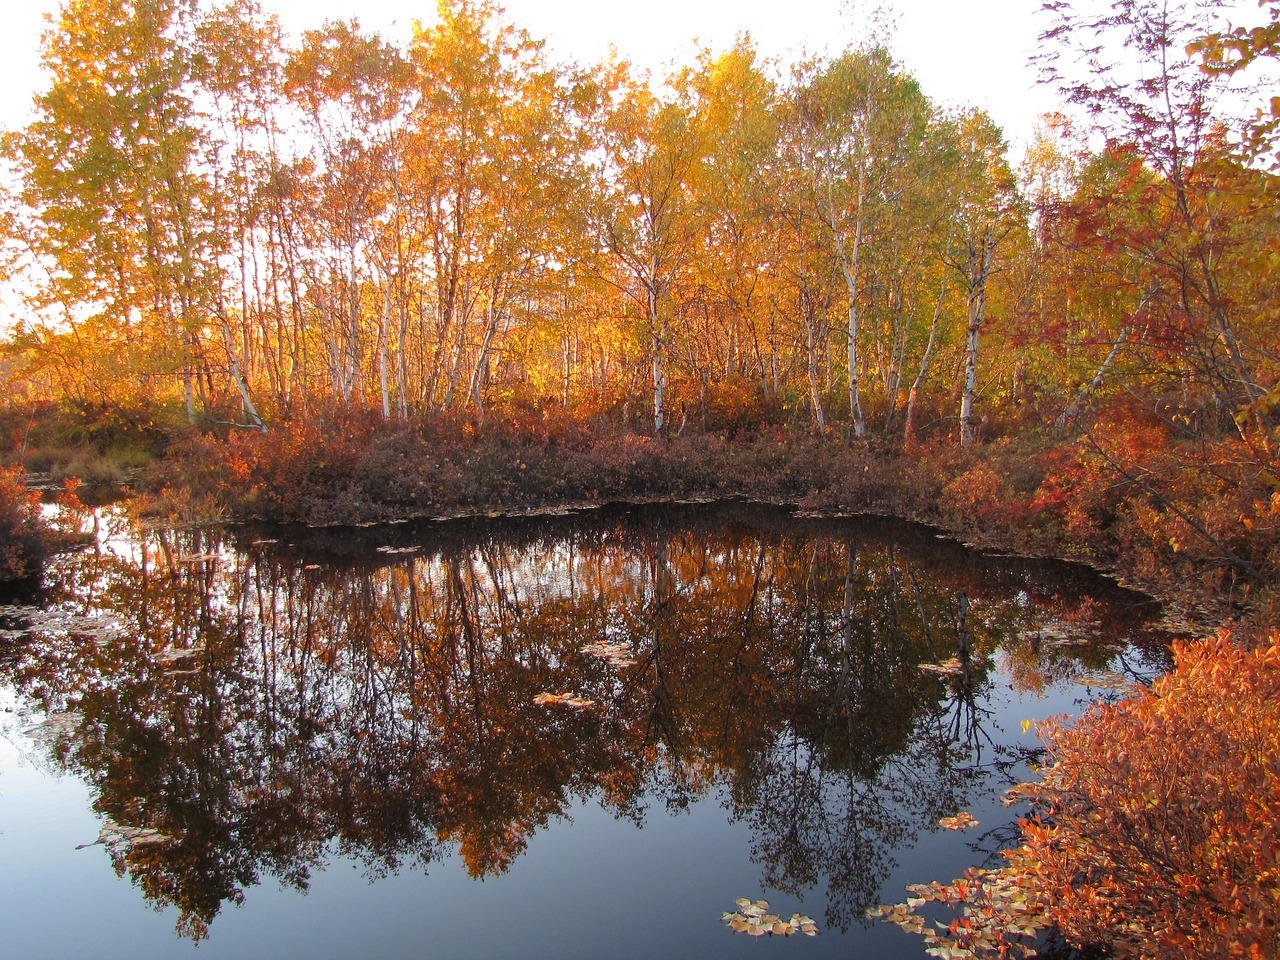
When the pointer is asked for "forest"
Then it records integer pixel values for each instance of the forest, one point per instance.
(350, 278)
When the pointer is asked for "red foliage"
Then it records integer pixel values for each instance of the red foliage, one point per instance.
(1156, 826)
(24, 537)
(1159, 831)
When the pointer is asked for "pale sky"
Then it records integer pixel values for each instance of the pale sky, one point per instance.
(963, 53)
(970, 54)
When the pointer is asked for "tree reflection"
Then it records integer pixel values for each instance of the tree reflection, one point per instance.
(261, 705)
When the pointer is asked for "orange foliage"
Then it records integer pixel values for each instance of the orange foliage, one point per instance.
(978, 494)
(1159, 831)
(23, 535)
(1157, 827)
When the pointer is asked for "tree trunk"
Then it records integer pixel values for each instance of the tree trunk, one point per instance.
(850, 263)
(233, 364)
(815, 387)
(909, 429)
(1069, 414)
(384, 334)
(659, 411)
(979, 269)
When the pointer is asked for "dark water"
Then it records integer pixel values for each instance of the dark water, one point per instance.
(298, 743)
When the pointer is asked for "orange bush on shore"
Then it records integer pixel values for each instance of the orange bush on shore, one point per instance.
(23, 535)
(1157, 826)
(1160, 822)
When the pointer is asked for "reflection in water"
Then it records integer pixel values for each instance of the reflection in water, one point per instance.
(255, 706)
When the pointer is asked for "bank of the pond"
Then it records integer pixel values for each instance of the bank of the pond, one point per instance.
(1150, 834)
(1205, 550)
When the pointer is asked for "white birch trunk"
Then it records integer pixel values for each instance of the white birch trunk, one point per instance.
(979, 269)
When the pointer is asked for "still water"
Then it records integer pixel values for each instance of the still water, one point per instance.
(559, 737)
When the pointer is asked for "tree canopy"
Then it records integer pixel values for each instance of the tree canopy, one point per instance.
(213, 219)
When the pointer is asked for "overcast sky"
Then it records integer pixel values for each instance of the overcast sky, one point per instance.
(963, 53)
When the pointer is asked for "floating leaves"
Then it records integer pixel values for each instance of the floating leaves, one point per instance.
(1063, 634)
(391, 550)
(1018, 793)
(121, 839)
(56, 621)
(54, 726)
(961, 821)
(616, 655)
(169, 657)
(903, 914)
(1104, 680)
(997, 915)
(753, 919)
(564, 700)
(947, 668)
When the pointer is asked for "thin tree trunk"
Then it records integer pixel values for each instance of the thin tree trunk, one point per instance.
(850, 263)
(909, 429)
(1073, 408)
(233, 364)
(979, 270)
(384, 335)
(815, 387)
(659, 411)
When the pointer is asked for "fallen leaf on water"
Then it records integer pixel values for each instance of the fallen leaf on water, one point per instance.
(1104, 680)
(173, 656)
(752, 919)
(120, 838)
(947, 668)
(617, 655)
(54, 726)
(961, 821)
(564, 699)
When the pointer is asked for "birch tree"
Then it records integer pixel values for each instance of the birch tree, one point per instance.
(109, 174)
(651, 152)
(859, 122)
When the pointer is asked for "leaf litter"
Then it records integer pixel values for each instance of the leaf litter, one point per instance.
(121, 838)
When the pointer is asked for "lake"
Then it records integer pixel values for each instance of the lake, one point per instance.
(574, 736)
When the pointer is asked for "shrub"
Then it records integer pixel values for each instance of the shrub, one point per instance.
(1161, 813)
(1157, 826)
(24, 537)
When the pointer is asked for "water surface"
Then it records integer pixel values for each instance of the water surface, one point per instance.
(562, 737)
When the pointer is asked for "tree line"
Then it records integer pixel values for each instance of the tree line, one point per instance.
(209, 217)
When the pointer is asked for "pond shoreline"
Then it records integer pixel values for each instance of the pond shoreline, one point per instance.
(1179, 609)
(1028, 500)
